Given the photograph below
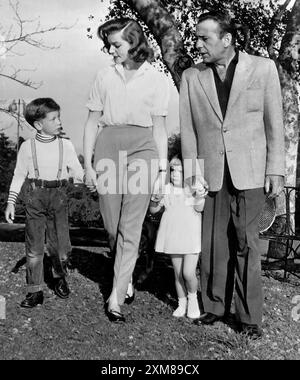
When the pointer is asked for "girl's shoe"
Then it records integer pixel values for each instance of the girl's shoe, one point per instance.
(181, 309)
(193, 311)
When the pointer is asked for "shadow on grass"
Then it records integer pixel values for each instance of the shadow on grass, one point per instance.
(96, 267)
(153, 272)
(156, 278)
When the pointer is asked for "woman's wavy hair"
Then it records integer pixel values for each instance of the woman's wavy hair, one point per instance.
(132, 32)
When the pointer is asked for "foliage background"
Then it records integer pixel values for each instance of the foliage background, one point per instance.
(256, 19)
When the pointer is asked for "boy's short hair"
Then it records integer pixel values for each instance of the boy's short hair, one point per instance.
(132, 33)
(37, 109)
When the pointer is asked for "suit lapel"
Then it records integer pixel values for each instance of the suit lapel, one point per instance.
(240, 81)
(206, 78)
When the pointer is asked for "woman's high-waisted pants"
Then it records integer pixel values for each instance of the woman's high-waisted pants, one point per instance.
(126, 162)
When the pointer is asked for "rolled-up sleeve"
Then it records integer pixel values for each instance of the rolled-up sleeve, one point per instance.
(162, 96)
(95, 102)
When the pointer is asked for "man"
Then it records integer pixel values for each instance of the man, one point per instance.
(231, 117)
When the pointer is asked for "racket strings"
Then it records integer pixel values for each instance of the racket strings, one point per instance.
(267, 215)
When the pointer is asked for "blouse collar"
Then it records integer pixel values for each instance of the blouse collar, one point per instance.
(140, 71)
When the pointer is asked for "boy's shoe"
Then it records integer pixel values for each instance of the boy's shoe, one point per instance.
(61, 288)
(33, 299)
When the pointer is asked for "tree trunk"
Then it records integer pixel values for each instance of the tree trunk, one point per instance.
(164, 30)
(288, 62)
(289, 77)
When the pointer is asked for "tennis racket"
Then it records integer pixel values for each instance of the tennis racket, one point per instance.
(268, 215)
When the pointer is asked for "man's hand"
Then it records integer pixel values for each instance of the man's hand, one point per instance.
(10, 213)
(274, 185)
(90, 179)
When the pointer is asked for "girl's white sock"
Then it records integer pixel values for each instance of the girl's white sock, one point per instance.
(193, 311)
(181, 309)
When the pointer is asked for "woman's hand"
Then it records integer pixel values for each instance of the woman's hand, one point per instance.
(90, 179)
(90, 135)
(160, 184)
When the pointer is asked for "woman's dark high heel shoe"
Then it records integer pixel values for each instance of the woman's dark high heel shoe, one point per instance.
(129, 299)
(114, 316)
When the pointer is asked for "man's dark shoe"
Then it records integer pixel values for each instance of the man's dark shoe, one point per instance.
(208, 319)
(33, 299)
(61, 288)
(231, 321)
(251, 331)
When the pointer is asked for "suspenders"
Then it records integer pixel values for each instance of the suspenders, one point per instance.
(34, 158)
(60, 162)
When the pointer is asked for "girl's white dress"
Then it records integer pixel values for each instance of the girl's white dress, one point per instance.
(180, 226)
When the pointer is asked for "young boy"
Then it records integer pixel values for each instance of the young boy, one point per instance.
(46, 160)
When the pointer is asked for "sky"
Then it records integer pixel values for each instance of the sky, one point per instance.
(68, 72)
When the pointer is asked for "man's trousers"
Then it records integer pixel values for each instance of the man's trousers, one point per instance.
(231, 255)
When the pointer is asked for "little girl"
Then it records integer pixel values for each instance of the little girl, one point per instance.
(179, 235)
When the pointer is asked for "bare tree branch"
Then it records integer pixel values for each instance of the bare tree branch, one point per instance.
(274, 23)
(25, 82)
(5, 110)
(23, 31)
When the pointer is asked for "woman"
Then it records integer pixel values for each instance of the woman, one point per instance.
(126, 126)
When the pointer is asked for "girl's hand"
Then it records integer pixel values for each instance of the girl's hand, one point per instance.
(156, 197)
(10, 213)
(90, 179)
(199, 187)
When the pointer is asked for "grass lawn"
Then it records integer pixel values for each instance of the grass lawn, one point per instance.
(77, 328)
